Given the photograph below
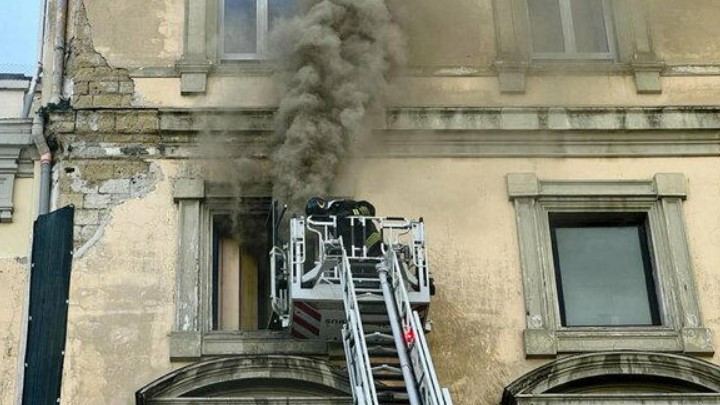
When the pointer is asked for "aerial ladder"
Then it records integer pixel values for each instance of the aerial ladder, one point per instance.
(325, 286)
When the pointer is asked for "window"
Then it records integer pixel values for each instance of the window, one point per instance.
(222, 278)
(578, 29)
(603, 270)
(245, 26)
(606, 266)
(574, 34)
(230, 31)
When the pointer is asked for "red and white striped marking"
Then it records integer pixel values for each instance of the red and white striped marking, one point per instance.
(306, 321)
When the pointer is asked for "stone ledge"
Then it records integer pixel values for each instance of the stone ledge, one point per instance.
(471, 119)
(193, 345)
(259, 343)
(554, 118)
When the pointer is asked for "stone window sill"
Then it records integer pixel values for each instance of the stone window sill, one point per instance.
(186, 346)
(543, 342)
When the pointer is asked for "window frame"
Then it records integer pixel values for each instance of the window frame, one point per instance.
(569, 37)
(262, 27)
(660, 199)
(634, 49)
(192, 336)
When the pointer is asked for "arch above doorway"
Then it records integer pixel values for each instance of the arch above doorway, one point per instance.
(243, 380)
(614, 377)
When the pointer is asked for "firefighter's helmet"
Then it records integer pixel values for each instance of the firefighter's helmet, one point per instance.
(316, 206)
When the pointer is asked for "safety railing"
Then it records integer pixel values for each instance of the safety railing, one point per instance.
(279, 297)
(322, 231)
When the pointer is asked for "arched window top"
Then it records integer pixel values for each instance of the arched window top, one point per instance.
(278, 377)
(604, 377)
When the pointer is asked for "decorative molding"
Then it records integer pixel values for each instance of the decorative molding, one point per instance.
(566, 119)
(699, 380)
(15, 136)
(290, 376)
(472, 132)
(258, 68)
(196, 61)
(661, 199)
(188, 194)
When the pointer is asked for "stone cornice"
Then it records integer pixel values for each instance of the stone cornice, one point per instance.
(472, 119)
(554, 118)
(415, 132)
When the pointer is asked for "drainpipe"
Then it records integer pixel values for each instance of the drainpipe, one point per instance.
(38, 122)
(45, 164)
(46, 158)
(59, 50)
(40, 54)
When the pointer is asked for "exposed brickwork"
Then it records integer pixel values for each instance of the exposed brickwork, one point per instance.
(95, 83)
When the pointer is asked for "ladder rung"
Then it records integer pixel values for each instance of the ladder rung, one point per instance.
(378, 337)
(368, 296)
(385, 370)
(377, 349)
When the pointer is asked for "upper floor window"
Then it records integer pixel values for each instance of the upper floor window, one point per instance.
(606, 266)
(245, 26)
(571, 29)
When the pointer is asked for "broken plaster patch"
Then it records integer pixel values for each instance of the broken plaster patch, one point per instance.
(105, 196)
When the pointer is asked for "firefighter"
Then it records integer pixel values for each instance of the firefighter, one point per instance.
(343, 209)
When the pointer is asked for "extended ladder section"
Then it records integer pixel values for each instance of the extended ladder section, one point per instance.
(325, 286)
(414, 363)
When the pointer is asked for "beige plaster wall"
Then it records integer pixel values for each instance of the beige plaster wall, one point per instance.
(459, 33)
(121, 302)
(478, 312)
(550, 90)
(121, 307)
(685, 32)
(13, 286)
(137, 33)
(14, 265)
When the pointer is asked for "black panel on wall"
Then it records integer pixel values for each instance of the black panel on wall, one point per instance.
(49, 290)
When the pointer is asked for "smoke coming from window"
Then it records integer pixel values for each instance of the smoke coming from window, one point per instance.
(336, 58)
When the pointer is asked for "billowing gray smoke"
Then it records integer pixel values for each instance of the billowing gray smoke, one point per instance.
(336, 59)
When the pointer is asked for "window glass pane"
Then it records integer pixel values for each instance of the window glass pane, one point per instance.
(546, 26)
(240, 21)
(280, 9)
(603, 276)
(589, 26)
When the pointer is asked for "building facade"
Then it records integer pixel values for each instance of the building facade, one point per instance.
(562, 153)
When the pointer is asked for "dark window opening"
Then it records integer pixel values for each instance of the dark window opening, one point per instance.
(629, 384)
(603, 269)
(240, 284)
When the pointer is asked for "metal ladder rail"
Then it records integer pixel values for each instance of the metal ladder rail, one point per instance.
(426, 379)
(353, 335)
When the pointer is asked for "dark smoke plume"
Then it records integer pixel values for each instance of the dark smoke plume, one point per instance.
(336, 60)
